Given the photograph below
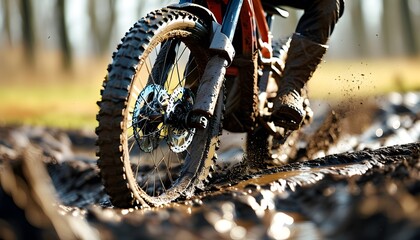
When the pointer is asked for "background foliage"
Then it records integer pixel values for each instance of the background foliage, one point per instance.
(54, 53)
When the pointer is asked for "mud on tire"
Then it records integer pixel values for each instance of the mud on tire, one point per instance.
(146, 155)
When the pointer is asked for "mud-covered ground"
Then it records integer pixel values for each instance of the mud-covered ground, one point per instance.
(356, 174)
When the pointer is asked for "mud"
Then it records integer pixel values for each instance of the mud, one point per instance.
(355, 176)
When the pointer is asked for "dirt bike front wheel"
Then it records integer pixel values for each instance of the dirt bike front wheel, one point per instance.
(147, 154)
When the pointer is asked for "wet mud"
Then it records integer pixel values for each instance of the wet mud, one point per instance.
(353, 176)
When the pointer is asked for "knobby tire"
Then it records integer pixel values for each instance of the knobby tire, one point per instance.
(115, 140)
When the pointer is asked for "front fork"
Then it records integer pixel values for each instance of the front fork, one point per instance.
(214, 74)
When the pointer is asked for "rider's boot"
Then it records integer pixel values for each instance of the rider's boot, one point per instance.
(303, 57)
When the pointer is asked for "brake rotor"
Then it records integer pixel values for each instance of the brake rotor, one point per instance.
(148, 116)
(179, 104)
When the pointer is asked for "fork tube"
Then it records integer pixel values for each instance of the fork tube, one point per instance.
(231, 17)
(214, 74)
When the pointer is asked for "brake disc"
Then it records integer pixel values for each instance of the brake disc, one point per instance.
(148, 116)
(179, 104)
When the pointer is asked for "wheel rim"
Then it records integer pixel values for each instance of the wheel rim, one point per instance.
(157, 141)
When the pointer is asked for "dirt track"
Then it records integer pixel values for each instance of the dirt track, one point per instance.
(344, 183)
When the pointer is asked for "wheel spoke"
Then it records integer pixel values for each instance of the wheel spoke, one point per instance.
(180, 80)
(168, 168)
(190, 72)
(157, 172)
(149, 72)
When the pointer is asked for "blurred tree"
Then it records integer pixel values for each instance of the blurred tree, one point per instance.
(397, 28)
(28, 34)
(408, 29)
(359, 30)
(386, 26)
(140, 6)
(6, 21)
(102, 25)
(65, 46)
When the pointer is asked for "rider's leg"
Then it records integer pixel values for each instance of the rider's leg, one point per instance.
(307, 47)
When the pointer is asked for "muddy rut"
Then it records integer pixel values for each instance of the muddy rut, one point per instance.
(355, 174)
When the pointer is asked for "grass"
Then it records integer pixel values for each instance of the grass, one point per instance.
(46, 95)
(67, 105)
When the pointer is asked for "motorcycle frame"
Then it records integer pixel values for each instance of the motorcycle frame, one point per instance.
(254, 24)
(256, 36)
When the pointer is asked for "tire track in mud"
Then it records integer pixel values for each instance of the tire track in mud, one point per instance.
(305, 173)
(291, 198)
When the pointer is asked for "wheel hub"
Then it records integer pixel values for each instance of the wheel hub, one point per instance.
(179, 135)
(148, 117)
(158, 115)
